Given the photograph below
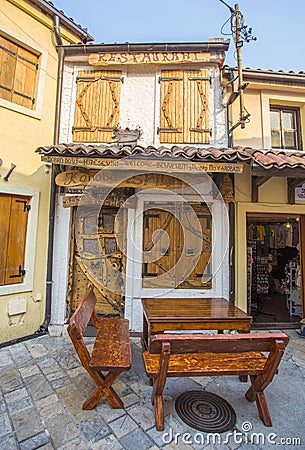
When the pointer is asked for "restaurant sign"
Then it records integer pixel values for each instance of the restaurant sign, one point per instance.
(147, 165)
(125, 58)
(109, 178)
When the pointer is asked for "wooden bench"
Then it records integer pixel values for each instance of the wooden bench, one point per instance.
(111, 351)
(178, 355)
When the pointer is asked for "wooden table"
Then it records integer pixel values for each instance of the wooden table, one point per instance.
(164, 314)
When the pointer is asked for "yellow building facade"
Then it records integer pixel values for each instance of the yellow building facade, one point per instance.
(29, 33)
(266, 193)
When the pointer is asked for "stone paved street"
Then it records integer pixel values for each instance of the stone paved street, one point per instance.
(43, 387)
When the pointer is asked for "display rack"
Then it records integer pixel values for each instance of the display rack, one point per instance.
(292, 288)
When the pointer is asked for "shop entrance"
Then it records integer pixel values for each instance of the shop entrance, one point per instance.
(274, 258)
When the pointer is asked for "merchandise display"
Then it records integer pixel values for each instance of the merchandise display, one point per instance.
(273, 269)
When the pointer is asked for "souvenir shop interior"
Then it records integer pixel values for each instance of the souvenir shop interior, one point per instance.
(273, 269)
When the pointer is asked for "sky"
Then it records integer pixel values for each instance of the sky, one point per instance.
(277, 24)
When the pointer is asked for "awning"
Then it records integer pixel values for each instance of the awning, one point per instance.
(264, 161)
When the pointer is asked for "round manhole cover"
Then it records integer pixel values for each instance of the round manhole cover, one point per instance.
(205, 411)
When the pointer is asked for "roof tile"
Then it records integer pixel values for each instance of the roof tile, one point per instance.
(266, 159)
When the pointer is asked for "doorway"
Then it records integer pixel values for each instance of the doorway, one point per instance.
(175, 249)
(274, 289)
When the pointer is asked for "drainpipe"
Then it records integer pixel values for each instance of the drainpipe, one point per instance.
(60, 69)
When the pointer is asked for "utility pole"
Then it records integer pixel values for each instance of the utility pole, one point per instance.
(243, 114)
(240, 33)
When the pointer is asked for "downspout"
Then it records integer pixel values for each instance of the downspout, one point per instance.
(60, 69)
(231, 211)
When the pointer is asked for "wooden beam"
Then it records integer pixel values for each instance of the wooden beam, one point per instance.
(274, 172)
(256, 182)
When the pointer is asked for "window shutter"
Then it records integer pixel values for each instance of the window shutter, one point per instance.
(13, 227)
(171, 114)
(196, 106)
(25, 78)
(5, 212)
(7, 64)
(97, 105)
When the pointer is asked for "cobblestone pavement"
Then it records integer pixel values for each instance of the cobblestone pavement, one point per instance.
(43, 387)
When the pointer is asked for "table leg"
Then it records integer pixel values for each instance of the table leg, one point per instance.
(145, 333)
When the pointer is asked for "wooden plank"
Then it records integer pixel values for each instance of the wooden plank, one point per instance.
(5, 213)
(206, 364)
(16, 239)
(133, 58)
(8, 66)
(222, 343)
(148, 165)
(25, 78)
(97, 105)
(80, 319)
(196, 106)
(171, 114)
(112, 347)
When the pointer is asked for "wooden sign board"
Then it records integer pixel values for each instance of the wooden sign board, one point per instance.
(145, 164)
(73, 178)
(125, 58)
(112, 199)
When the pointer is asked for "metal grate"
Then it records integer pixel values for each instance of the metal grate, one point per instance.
(205, 411)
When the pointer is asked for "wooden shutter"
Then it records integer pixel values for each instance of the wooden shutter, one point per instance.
(8, 66)
(97, 105)
(18, 73)
(25, 78)
(13, 227)
(171, 114)
(184, 115)
(196, 106)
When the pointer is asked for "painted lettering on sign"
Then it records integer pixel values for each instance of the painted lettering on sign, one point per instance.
(107, 178)
(149, 165)
(106, 59)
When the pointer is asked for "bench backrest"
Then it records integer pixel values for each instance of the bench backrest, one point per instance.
(80, 319)
(78, 324)
(216, 343)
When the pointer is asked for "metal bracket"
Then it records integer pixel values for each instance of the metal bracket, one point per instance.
(159, 130)
(20, 274)
(209, 79)
(169, 79)
(26, 207)
(202, 130)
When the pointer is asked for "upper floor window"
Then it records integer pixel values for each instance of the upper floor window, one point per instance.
(18, 74)
(184, 115)
(285, 127)
(97, 109)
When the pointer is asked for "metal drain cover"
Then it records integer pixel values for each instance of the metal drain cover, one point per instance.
(205, 411)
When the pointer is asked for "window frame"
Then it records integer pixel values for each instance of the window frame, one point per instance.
(30, 240)
(33, 47)
(298, 131)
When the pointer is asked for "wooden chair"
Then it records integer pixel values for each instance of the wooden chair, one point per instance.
(111, 350)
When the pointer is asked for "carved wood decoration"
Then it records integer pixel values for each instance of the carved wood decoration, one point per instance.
(163, 247)
(95, 244)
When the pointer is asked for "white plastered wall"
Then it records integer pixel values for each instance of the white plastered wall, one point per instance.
(139, 106)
